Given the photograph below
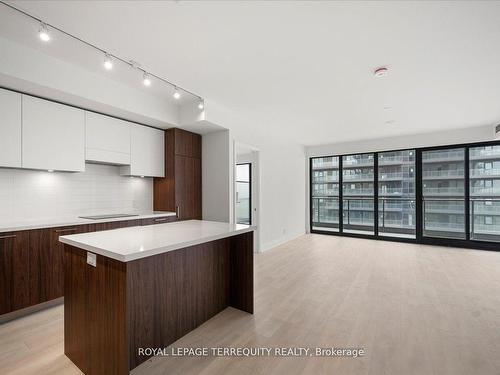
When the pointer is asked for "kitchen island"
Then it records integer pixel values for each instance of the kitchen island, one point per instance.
(145, 287)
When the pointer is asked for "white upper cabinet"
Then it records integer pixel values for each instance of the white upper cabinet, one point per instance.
(10, 129)
(147, 152)
(53, 136)
(107, 139)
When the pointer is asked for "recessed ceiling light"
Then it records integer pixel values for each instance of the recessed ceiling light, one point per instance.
(108, 64)
(50, 170)
(381, 71)
(43, 32)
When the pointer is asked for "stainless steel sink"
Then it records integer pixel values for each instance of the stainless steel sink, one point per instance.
(111, 216)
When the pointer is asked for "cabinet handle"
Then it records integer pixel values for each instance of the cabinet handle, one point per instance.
(65, 230)
(10, 236)
(178, 211)
(161, 219)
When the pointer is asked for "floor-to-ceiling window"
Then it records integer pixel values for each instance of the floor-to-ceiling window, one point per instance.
(325, 193)
(485, 193)
(441, 195)
(396, 194)
(358, 193)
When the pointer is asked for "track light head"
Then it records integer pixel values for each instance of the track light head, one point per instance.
(177, 94)
(43, 32)
(108, 63)
(146, 80)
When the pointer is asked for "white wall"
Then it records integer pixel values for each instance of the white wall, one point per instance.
(215, 176)
(282, 178)
(28, 194)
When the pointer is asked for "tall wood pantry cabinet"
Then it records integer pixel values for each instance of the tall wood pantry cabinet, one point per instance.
(180, 189)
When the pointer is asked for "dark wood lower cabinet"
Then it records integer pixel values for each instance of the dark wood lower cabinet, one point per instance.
(47, 262)
(14, 271)
(32, 262)
(115, 308)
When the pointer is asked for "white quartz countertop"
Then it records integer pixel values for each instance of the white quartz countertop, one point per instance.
(12, 226)
(133, 243)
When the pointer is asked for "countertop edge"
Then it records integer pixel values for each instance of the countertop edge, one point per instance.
(77, 221)
(152, 252)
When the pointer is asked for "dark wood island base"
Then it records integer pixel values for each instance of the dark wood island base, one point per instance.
(115, 308)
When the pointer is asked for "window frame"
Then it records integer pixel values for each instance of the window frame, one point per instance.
(468, 242)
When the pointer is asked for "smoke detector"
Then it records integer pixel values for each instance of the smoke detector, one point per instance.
(380, 71)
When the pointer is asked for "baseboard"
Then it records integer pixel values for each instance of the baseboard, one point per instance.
(30, 310)
(269, 245)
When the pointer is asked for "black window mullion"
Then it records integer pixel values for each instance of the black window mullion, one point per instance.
(467, 194)
(341, 201)
(419, 217)
(375, 194)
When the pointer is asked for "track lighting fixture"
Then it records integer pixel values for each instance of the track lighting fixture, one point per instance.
(43, 32)
(108, 63)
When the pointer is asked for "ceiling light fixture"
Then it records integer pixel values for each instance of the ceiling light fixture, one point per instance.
(177, 94)
(108, 63)
(50, 170)
(201, 104)
(146, 80)
(43, 32)
(381, 71)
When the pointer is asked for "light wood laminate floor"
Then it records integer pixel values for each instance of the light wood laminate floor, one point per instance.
(414, 309)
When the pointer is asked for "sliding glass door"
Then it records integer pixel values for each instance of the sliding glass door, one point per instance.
(396, 194)
(325, 194)
(358, 194)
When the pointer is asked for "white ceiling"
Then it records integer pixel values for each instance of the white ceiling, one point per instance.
(304, 69)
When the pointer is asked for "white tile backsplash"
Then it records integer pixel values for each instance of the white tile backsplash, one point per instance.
(26, 195)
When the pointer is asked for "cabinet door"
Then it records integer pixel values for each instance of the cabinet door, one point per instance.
(188, 187)
(147, 152)
(47, 262)
(14, 271)
(10, 129)
(53, 136)
(187, 143)
(107, 140)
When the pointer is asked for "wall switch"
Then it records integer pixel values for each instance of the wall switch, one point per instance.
(91, 259)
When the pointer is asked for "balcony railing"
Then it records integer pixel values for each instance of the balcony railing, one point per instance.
(484, 191)
(444, 191)
(326, 179)
(431, 157)
(441, 174)
(478, 153)
(356, 192)
(358, 177)
(476, 172)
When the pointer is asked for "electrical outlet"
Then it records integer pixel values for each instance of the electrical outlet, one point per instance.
(91, 259)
